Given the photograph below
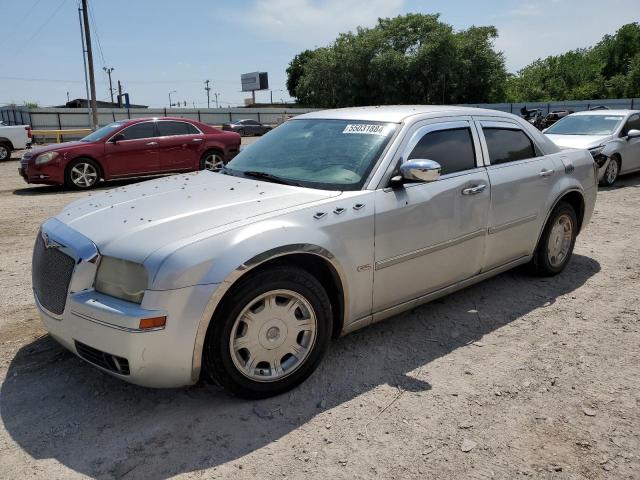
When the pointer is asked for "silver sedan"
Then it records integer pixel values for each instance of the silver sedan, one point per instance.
(335, 220)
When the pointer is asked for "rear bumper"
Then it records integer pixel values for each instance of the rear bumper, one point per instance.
(103, 331)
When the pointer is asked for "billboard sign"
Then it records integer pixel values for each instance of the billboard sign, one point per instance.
(254, 81)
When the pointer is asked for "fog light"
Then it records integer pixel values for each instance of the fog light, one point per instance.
(154, 322)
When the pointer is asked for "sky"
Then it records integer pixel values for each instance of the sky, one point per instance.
(161, 46)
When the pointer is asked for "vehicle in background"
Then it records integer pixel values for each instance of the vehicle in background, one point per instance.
(335, 220)
(13, 137)
(612, 137)
(247, 128)
(131, 148)
(541, 121)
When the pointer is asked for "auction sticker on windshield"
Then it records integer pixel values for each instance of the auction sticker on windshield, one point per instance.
(368, 129)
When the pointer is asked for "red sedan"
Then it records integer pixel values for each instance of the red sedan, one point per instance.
(131, 148)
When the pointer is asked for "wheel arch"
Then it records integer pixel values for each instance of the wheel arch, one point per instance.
(7, 141)
(314, 259)
(88, 157)
(575, 198)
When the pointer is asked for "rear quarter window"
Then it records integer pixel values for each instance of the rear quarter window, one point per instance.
(508, 145)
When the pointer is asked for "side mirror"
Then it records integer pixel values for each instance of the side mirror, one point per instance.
(633, 133)
(420, 170)
(116, 138)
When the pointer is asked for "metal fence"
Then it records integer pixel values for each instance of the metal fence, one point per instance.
(62, 118)
(70, 118)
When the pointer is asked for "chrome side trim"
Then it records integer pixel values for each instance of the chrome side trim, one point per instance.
(247, 266)
(513, 223)
(408, 305)
(388, 262)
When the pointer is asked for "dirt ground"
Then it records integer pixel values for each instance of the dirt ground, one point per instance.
(515, 377)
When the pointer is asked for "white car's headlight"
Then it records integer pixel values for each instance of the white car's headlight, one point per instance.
(45, 157)
(595, 151)
(121, 279)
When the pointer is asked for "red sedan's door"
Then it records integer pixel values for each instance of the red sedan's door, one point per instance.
(133, 151)
(181, 145)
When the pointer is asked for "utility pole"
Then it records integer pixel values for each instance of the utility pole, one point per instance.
(67, 97)
(208, 89)
(109, 70)
(172, 91)
(92, 79)
(216, 95)
(84, 63)
(119, 95)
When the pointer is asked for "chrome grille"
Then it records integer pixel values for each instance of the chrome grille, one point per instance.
(51, 273)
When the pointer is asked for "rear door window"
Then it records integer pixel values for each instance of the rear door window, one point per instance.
(508, 145)
(168, 129)
(452, 149)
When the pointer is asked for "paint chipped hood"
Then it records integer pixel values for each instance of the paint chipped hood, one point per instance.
(133, 221)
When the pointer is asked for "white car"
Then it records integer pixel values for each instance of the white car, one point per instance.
(612, 137)
(332, 221)
(13, 137)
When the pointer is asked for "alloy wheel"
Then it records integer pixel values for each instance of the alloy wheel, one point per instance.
(84, 175)
(213, 162)
(560, 240)
(273, 335)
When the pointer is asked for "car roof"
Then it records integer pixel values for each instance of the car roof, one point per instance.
(395, 113)
(147, 119)
(607, 112)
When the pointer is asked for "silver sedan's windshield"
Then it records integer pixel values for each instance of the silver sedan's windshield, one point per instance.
(586, 125)
(316, 153)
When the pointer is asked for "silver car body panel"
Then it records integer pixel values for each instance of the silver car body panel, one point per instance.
(390, 248)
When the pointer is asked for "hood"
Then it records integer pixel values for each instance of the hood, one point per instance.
(54, 146)
(578, 141)
(133, 221)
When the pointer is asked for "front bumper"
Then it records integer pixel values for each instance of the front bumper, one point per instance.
(49, 174)
(160, 358)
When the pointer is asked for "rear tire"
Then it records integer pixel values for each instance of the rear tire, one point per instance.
(611, 173)
(82, 174)
(5, 151)
(212, 161)
(265, 317)
(557, 241)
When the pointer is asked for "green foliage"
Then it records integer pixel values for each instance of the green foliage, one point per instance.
(610, 69)
(31, 105)
(413, 58)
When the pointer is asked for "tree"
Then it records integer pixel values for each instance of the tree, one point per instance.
(609, 69)
(413, 58)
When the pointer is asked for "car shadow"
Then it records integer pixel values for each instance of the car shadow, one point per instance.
(55, 406)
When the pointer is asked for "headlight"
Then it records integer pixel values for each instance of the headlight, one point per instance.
(598, 157)
(121, 279)
(45, 157)
(595, 151)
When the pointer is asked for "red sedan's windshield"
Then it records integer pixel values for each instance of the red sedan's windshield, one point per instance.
(102, 132)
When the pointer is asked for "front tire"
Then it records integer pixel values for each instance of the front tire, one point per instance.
(82, 174)
(611, 173)
(269, 334)
(557, 241)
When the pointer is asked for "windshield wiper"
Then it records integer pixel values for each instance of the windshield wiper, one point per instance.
(270, 178)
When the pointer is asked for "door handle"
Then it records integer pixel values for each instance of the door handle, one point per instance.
(152, 144)
(197, 140)
(474, 190)
(546, 173)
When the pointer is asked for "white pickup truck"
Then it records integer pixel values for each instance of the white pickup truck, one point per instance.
(13, 137)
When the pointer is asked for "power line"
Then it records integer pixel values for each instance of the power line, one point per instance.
(63, 80)
(20, 23)
(95, 29)
(44, 24)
